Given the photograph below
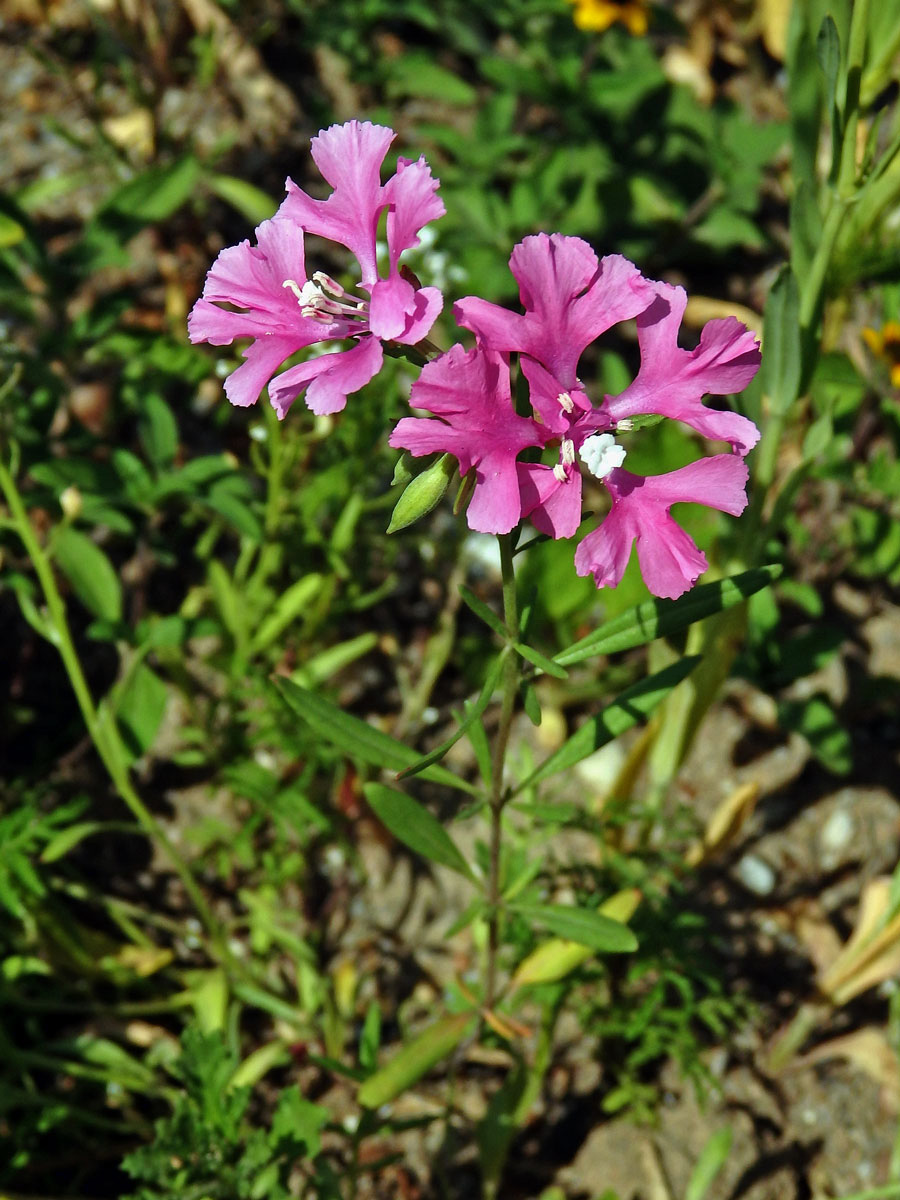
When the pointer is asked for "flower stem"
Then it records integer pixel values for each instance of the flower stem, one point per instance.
(499, 795)
(101, 727)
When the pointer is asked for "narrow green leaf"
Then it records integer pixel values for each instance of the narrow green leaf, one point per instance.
(782, 368)
(415, 826)
(251, 202)
(540, 660)
(91, 574)
(155, 193)
(415, 1059)
(585, 926)
(140, 707)
(68, 838)
(289, 605)
(661, 618)
(713, 1158)
(626, 710)
(356, 738)
(828, 52)
(473, 712)
(480, 609)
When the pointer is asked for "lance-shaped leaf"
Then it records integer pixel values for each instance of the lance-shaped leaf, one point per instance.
(356, 738)
(661, 618)
(415, 826)
(412, 1062)
(626, 710)
(558, 957)
(588, 927)
(473, 713)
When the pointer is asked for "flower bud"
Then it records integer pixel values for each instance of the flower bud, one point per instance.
(71, 503)
(423, 493)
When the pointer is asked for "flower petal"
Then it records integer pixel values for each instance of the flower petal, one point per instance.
(670, 561)
(252, 278)
(262, 359)
(350, 158)
(399, 312)
(328, 379)
(411, 195)
(569, 300)
(554, 506)
(673, 382)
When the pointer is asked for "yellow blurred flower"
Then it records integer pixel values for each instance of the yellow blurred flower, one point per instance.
(885, 343)
(598, 15)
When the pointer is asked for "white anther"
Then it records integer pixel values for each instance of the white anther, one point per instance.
(625, 425)
(601, 455)
(565, 401)
(560, 472)
(567, 452)
(327, 284)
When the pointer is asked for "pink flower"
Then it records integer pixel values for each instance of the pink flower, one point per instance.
(470, 394)
(570, 298)
(284, 311)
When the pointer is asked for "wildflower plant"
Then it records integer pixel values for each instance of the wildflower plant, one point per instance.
(529, 439)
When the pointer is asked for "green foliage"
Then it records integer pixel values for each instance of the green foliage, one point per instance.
(208, 1144)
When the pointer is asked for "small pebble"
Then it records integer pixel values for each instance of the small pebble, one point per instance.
(757, 876)
(838, 831)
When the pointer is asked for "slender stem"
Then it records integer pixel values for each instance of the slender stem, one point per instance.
(102, 731)
(499, 796)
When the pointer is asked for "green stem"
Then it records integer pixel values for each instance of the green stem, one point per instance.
(499, 796)
(103, 733)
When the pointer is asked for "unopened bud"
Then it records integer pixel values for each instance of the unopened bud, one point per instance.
(71, 503)
(422, 494)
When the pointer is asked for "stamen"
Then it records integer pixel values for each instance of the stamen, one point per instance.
(560, 472)
(567, 452)
(625, 425)
(327, 284)
(566, 403)
(601, 455)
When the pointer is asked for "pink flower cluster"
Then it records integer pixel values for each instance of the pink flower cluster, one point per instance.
(569, 299)
(283, 311)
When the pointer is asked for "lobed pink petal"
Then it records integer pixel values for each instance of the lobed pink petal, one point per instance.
(425, 311)
(495, 506)
(669, 559)
(413, 201)
(262, 359)
(391, 302)
(350, 157)
(673, 382)
(252, 278)
(554, 506)
(569, 298)
(399, 312)
(328, 379)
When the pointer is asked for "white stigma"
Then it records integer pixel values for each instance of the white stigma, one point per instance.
(565, 401)
(600, 454)
(296, 288)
